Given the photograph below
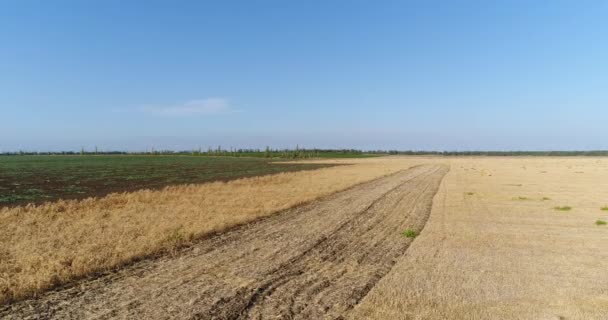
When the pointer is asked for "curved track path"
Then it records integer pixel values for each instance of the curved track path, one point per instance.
(316, 261)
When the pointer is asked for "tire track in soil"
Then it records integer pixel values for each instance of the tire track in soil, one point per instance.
(316, 261)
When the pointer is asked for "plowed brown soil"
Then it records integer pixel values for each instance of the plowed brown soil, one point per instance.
(315, 261)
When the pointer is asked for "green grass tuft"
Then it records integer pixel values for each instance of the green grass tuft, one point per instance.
(409, 233)
(563, 208)
(604, 208)
(601, 222)
(546, 198)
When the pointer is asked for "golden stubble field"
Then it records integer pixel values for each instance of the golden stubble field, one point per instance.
(495, 247)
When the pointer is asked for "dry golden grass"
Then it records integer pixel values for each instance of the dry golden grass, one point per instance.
(47, 245)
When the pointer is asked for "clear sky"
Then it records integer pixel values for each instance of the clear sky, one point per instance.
(432, 75)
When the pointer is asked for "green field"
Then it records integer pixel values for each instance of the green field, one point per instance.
(36, 179)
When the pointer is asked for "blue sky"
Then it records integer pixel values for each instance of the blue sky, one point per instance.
(432, 75)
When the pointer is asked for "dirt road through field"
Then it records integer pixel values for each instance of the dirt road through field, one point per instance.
(312, 262)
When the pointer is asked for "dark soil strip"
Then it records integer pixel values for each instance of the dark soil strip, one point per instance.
(39, 179)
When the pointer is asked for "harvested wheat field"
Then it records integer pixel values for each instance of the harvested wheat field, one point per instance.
(499, 245)
(499, 238)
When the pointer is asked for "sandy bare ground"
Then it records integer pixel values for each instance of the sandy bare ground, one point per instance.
(315, 261)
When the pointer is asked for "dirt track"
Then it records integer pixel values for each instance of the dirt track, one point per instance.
(314, 261)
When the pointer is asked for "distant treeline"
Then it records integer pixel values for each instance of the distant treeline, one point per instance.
(299, 153)
(268, 152)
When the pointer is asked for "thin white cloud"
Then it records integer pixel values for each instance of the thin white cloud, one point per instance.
(200, 107)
